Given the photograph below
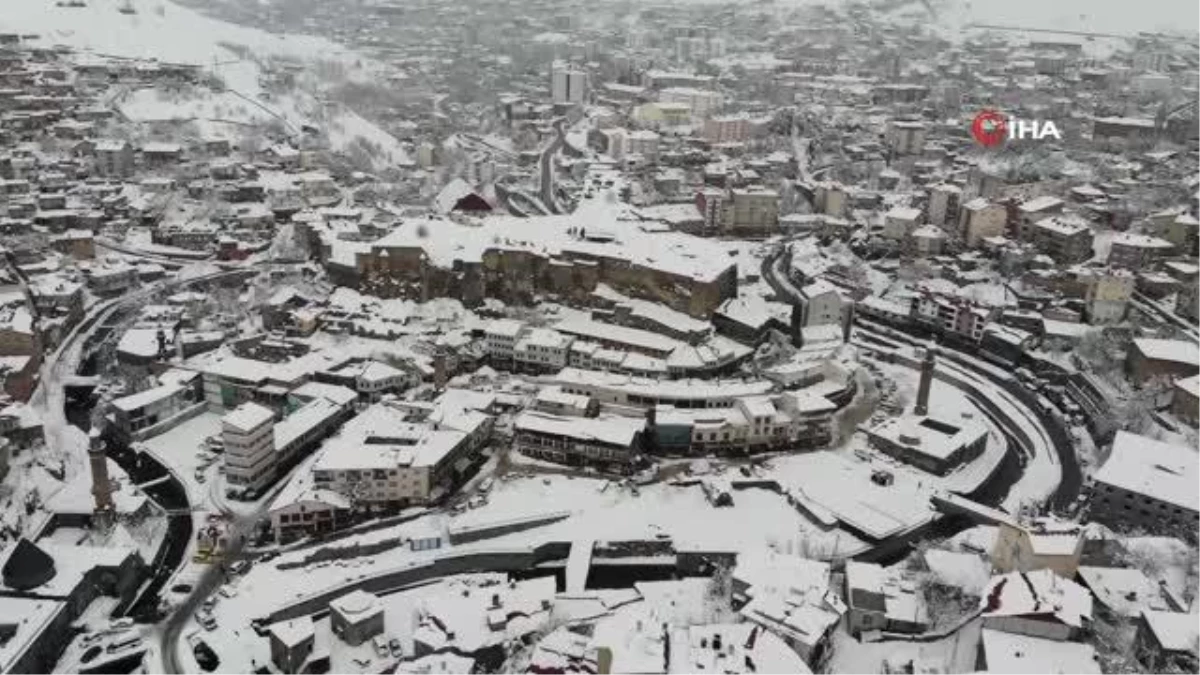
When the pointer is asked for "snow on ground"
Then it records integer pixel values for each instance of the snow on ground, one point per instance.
(953, 654)
(180, 450)
(173, 33)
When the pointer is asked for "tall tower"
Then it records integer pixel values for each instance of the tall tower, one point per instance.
(922, 407)
(101, 485)
(797, 327)
(439, 368)
(847, 322)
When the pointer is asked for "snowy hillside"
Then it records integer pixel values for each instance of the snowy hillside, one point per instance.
(168, 32)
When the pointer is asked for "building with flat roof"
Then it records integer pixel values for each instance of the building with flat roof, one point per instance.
(1149, 485)
(931, 443)
(608, 442)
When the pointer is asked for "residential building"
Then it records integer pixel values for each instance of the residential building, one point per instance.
(1148, 485)
(980, 219)
(727, 129)
(542, 350)
(249, 443)
(608, 442)
(752, 213)
(1040, 543)
(500, 339)
(114, 158)
(1039, 604)
(944, 203)
(790, 597)
(137, 412)
(881, 599)
(1185, 401)
(1134, 251)
(702, 102)
(906, 138)
(1150, 358)
(951, 315)
(820, 304)
(926, 241)
(1066, 240)
(900, 222)
(292, 643)
(568, 84)
(1167, 641)
(1002, 652)
(1033, 210)
(1107, 295)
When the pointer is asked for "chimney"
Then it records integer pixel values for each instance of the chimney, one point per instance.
(847, 321)
(922, 407)
(101, 485)
(797, 326)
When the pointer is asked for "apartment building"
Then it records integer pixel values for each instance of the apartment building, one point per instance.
(246, 432)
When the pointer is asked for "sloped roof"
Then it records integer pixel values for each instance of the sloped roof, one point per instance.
(28, 567)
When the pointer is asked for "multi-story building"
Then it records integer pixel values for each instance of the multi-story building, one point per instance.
(567, 84)
(1134, 251)
(610, 443)
(820, 304)
(727, 129)
(703, 102)
(500, 339)
(246, 432)
(1150, 358)
(900, 222)
(1107, 295)
(1066, 240)
(944, 202)
(542, 350)
(752, 212)
(906, 138)
(830, 199)
(1185, 400)
(642, 142)
(980, 219)
(1148, 485)
(951, 315)
(114, 158)
(1035, 209)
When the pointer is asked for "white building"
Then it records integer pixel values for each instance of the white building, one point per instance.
(906, 138)
(500, 338)
(567, 84)
(703, 102)
(980, 219)
(900, 222)
(727, 129)
(821, 304)
(249, 446)
(542, 349)
(944, 202)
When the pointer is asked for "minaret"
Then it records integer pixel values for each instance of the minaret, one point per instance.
(922, 407)
(101, 485)
(797, 326)
(439, 368)
(847, 321)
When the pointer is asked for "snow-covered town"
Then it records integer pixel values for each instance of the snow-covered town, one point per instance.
(547, 336)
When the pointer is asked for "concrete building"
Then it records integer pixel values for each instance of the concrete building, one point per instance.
(830, 199)
(926, 241)
(880, 599)
(1185, 401)
(1066, 240)
(944, 203)
(249, 447)
(609, 443)
(1040, 544)
(114, 158)
(1147, 485)
(1032, 210)
(932, 443)
(727, 129)
(951, 315)
(980, 219)
(356, 617)
(568, 84)
(1150, 358)
(821, 304)
(752, 213)
(906, 138)
(1134, 251)
(1107, 294)
(1039, 604)
(900, 222)
(702, 102)
(643, 142)
(1167, 641)
(292, 643)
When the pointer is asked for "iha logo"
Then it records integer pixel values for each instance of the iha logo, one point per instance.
(992, 128)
